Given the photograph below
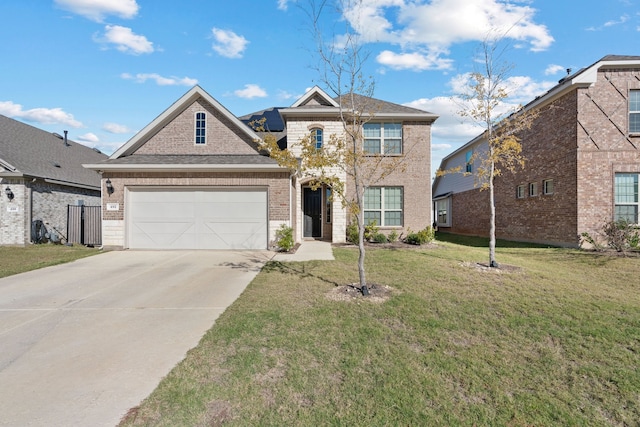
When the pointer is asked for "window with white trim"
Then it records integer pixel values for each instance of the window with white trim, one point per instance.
(533, 189)
(316, 135)
(634, 111)
(384, 206)
(547, 187)
(520, 191)
(442, 212)
(201, 128)
(383, 138)
(626, 197)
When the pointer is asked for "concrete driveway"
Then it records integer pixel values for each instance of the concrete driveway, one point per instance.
(81, 343)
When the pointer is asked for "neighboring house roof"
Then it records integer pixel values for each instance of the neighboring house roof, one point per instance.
(584, 77)
(26, 151)
(171, 113)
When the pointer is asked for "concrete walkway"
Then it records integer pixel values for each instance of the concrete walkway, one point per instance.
(309, 250)
(82, 343)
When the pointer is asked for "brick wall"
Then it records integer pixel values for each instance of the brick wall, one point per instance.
(579, 141)
(38, 201)
(178, 137)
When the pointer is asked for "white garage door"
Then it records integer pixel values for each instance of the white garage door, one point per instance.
(197, 219)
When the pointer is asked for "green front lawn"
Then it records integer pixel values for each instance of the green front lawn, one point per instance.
(14, 260)
(553, 341)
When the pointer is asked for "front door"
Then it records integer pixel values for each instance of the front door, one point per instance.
(312, 212)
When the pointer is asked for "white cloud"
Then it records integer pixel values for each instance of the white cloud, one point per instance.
(283, 4)
(413, 61)
(439, 147)
(228, 44)
(250, 91)
(89, 137)
(39, 115)
(431, 28)
(126, 40)
(554, 69)
(611, 23)
(160, 80)
(96, 10)
(115, 128)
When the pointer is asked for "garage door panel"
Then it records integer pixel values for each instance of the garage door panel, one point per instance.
(198, 219)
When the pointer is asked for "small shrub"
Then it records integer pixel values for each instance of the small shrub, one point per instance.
(370, 231)
(586, 237)
(423, 236)
(284, 238)
(620, 234)
(352, 233)
(393, 236)
(379, 238)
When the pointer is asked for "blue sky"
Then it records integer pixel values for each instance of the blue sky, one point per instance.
(103, 69)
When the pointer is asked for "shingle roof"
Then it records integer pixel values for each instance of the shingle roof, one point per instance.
(33, 152)
(376, 106)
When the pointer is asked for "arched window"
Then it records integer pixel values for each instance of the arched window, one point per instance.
(316, 134)
(201, 128)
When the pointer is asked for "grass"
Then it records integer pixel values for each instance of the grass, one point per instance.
(554, 342)
(14, 260)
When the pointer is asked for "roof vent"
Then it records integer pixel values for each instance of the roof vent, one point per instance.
(66, 143)
(57, 135)
(56, 164)
(96, 150)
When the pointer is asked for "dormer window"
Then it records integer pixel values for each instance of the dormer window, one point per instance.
(201, 128)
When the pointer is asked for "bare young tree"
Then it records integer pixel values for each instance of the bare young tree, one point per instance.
(487, 92)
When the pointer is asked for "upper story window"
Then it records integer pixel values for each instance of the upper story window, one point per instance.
(533, 189)
(634, 111)
(201, 128)
(469, 161)
(626, 197)
(383, 138)
(520, 191)
(316, 134)
(547, 186)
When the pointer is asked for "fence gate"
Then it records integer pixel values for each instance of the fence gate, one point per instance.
(84, 225)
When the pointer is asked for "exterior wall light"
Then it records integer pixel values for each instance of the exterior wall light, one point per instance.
(9, 193)
(109, 186)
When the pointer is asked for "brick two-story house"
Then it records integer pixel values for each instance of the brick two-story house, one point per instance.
(582, 164)
(195, 177)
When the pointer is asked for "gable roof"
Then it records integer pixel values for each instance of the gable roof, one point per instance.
(317, 102)
(584, 77)
(171, 113)
(26, 151)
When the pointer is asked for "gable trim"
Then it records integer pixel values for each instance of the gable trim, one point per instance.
(171, 113)
(313, 92)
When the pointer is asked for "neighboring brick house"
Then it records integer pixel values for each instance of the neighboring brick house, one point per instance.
(40, 175)
(582, 164)
(194, 178)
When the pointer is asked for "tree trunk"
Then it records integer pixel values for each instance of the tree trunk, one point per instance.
(361, 252)
(492, 221)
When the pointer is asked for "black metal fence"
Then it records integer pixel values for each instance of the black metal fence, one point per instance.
(84, 225)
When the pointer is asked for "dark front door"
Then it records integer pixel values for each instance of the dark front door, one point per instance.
(312, 212)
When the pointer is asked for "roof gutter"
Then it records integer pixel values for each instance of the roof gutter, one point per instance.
(178, 168)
